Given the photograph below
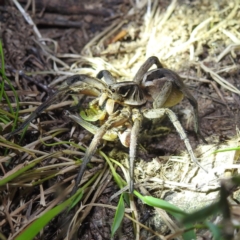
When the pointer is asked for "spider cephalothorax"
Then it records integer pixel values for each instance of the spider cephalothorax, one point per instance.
(123, 105)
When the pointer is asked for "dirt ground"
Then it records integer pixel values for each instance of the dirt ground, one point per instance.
(200, 40)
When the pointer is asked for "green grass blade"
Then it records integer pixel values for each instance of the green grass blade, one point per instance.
(117, 178)
(23, 168)
(227, 150)
(35, 227)
(170, 208)
(78, 195)
(118, 216)
(215, 230)
(3, 93)
(155, 202)
(202, 214)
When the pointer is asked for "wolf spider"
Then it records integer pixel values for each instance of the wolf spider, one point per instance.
(119, 108)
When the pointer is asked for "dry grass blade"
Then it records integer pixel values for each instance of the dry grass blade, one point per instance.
(27, 18)
(145, 227)
(230, 48)
(75, 224)
(219, 79)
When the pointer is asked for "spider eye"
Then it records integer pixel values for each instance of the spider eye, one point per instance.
(123, 90)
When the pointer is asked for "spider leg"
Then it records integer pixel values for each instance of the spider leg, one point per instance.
(158, 113)
(79, 80)
(145, 67)
(115, 119)
(108, 77)
(108, 136)
(76, 83)
(90, 151)
(137, 122)
(178, 81)
(175, 79)
(38, 110)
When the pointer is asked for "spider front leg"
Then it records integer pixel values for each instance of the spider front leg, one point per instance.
(114, 120)
(158, 113)
(56, 96)
(81, 84)
(90, 151)
(110, 135)
(137, 122)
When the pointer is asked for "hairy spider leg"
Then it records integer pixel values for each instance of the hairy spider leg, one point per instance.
(110, 135)
(76, 83)
(145, 67)
(137, 122)
(108, 77)
(158, 113)
(38, 110)
(115, 119)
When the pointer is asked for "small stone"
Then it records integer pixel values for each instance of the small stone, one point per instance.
(88, 18)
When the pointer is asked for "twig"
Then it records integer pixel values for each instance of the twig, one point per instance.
(28, 19)
(59, 22)
(21, 73)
